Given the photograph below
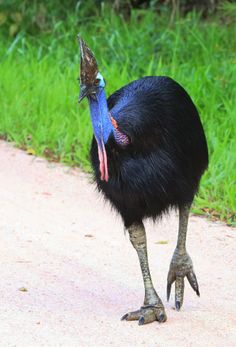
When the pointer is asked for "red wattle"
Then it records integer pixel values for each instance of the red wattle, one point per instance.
(101, 163)
(102, 155)
(105, 162)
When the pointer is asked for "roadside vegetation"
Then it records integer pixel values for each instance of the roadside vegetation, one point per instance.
(39, 87)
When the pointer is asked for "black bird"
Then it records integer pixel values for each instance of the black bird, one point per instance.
(148, 154)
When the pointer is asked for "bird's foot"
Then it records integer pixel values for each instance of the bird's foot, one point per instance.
(181, 265)
(147, 314)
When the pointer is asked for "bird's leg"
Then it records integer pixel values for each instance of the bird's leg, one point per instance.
(152, 308)
(181, 264)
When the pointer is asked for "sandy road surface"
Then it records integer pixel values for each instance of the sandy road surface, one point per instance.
(68, 250)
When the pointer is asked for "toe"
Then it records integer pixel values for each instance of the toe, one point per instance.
(161, 317)
(132, 315)
(147, 317)
(177, 305)
(179, 292)
(150, 315)
(124, 317)
(193, 281)
(141, 320)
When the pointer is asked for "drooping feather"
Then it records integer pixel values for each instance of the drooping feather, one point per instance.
(161, 165)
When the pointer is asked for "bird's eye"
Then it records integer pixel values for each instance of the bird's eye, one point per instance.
(97, 81)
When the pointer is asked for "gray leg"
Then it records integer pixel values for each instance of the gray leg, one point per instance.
(152, 308)
(181, 264)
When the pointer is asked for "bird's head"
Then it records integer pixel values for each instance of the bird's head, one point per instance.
(91, 81)
(92, 86)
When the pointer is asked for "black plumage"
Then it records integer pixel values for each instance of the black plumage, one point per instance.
(162, 165)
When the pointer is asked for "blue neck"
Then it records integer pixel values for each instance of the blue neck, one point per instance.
(101, 121)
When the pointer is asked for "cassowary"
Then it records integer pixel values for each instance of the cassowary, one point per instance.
(148, 154)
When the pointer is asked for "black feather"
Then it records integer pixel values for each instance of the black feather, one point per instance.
(162, 165)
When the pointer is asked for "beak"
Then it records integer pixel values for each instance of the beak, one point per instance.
(83, 92)
(86, 91)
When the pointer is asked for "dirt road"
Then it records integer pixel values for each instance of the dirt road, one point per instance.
(68, 272)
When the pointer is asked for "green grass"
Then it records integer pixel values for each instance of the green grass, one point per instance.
(39, 90)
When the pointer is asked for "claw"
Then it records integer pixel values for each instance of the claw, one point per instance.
(124, 317)
(141, 320)
(162, 318)
(131, 315)
(193, 282)
(177, 305)
(168, 290)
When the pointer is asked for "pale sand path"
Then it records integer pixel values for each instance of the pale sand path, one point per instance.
(79, 286)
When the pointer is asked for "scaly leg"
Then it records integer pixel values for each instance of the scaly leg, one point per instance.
(181, 264)
(152, 308)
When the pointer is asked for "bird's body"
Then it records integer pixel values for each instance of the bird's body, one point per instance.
(148, 153)
(162, 164)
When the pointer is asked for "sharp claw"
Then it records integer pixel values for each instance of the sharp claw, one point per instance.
(168, 291)
(161, 318)
(193, 282)
(177, 305)
(141, 320)
(124, 317)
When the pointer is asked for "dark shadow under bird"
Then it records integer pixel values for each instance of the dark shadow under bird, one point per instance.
(148, 153)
